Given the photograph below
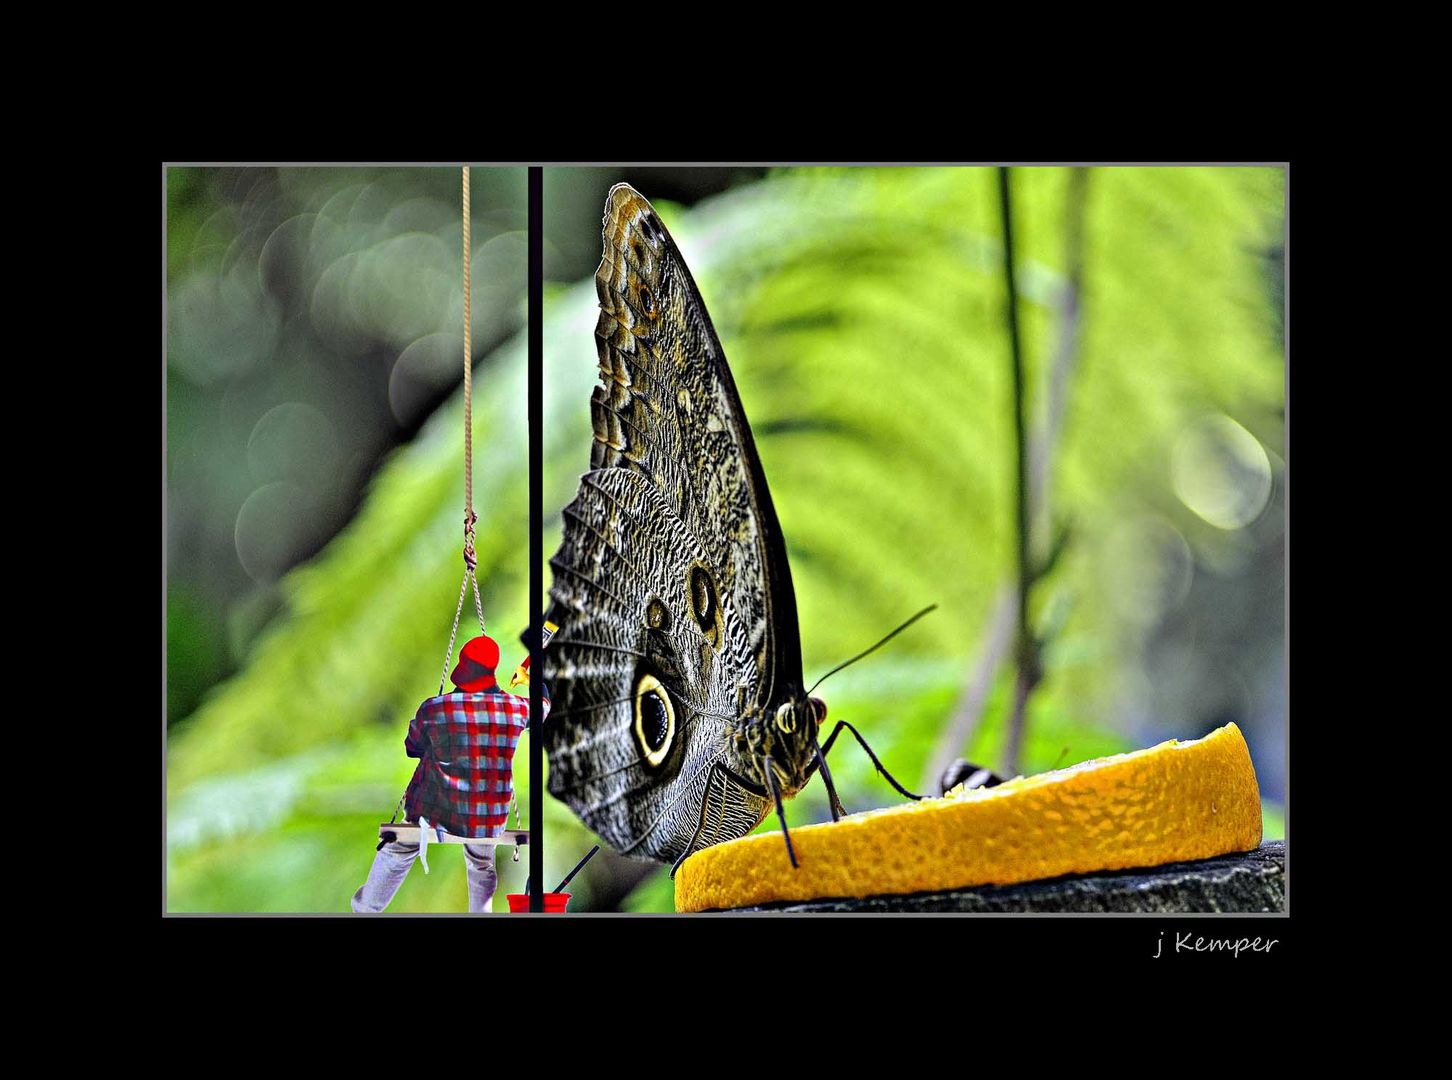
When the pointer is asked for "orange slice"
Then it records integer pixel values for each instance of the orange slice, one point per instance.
(1170, 803)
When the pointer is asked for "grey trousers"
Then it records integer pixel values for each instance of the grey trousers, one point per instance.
(393, 862)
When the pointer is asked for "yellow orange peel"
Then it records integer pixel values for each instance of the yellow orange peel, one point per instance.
(1170, 803)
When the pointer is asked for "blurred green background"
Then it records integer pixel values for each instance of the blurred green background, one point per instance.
(315, 475)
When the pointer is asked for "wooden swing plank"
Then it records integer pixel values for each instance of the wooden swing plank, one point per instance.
(408, 834)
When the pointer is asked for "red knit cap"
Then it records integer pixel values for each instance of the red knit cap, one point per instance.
(477, 661)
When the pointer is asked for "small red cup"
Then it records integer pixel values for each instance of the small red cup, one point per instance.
(555, 903)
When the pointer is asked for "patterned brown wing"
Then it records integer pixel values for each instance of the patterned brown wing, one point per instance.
(671, 586)
(667, 408)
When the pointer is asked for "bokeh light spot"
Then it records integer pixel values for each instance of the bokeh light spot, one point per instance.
(404, 287)
(1221, 472)
(424, 371)
(269, 527)
(1148, 568)
(220, 325)
(293, 442)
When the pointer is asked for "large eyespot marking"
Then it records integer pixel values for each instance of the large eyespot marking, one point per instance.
(647, 303)
(701, 595)
(655, 719)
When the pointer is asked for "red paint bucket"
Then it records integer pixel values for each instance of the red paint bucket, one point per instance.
(554, 902)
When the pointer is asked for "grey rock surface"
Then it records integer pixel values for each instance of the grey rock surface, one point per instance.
(1249, 882)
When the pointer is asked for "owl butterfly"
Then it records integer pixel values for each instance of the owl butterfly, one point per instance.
(679, 715)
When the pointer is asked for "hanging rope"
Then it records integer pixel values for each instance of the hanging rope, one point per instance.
(470, 558)
(470, 518)
(449, 652)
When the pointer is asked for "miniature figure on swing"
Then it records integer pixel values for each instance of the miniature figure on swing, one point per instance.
(463, 785)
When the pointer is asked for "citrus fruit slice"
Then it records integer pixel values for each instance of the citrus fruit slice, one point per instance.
(1170, 803)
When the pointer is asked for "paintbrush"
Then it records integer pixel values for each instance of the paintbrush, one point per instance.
(578, 867)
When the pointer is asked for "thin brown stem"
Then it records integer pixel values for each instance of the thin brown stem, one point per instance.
(998, 631)
(1025, 646)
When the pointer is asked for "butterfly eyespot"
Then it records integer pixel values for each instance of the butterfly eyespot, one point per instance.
(647, 302)
(701, 592)
(656, 615)
(655, 719)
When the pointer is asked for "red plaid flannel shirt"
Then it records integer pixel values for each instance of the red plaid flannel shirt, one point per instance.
(465, 746)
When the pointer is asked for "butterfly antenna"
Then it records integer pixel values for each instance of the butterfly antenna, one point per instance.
(880, 644)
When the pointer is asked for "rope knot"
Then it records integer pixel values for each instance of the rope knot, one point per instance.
(469, 557)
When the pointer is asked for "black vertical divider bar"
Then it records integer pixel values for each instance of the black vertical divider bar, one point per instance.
(536, 533)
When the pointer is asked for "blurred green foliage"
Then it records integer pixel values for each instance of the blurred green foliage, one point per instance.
(862, 313)
(313, 323)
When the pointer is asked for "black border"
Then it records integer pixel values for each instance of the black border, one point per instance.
(536, 530)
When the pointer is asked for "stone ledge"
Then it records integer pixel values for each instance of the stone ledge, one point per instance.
(1254, 881)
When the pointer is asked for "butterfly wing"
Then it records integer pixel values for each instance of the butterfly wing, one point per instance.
(667, 407)
(671, 586)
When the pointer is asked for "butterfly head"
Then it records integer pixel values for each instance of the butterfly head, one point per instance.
(790, 737)
(799, 718)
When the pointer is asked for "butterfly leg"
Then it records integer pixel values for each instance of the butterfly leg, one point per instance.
(780, 812)
(820, 762)
(878, 764)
